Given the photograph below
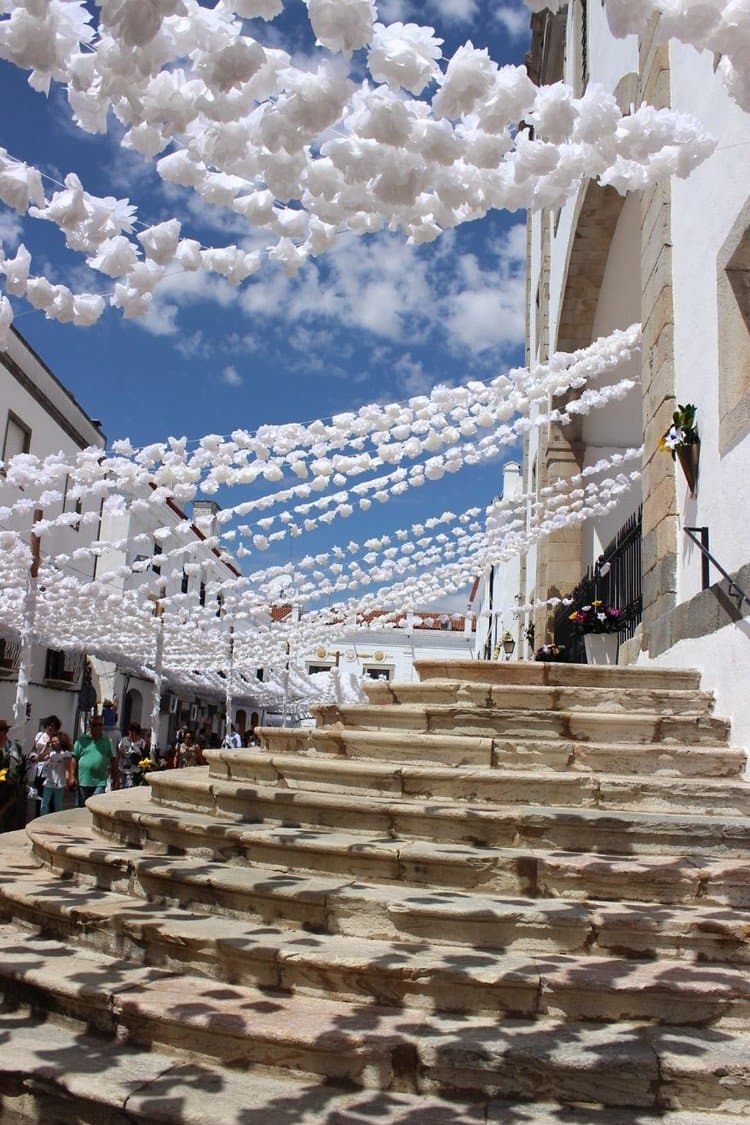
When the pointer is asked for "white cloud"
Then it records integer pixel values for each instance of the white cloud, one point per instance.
(515, 18)
(10, 231)
(487, 308)
(393, 11)
(456, 11)
(377, 286)
(181, 289)
(231, 376)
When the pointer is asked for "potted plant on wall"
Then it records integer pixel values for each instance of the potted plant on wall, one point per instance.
(599, 625)
(682, 441)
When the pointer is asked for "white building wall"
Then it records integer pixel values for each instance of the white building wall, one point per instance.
(705, 208)
(393, 650)
(30, 393)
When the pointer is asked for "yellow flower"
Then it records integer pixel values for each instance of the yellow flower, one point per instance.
(144, 763)
(596, 603)
(4, 774)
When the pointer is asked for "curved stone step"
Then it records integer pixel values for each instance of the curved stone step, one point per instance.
(533, 697)
(446, 979)
(563, 675)
(513, 872)
(618, 1064)
(357, 910)
(601, 819)
(52, 1072)
(129, 817)
(49, 1071)
(331, 774)
(490, 723)
(530, 754)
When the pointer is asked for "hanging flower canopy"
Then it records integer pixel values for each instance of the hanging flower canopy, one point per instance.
(417, 145)
(342, 588)
(384, 133)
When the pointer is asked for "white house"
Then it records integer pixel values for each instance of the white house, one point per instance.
(38, 415)
(676, 259)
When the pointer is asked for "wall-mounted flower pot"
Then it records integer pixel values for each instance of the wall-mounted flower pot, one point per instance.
(601, 648)
(689, 458)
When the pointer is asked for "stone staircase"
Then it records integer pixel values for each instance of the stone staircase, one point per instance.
(513, 893)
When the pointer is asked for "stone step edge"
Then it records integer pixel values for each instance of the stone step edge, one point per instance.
(548, 673)
(388, 692)
(351, 911)
(526, 866)
(232, 833)
(392, 1049)
(196, 781)
(341, 712)
(43, 1083)
(341, 767)
(496, 750)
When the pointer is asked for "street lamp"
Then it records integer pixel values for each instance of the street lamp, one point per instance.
(509, 645)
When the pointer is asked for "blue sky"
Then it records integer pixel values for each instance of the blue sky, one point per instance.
(373, 319)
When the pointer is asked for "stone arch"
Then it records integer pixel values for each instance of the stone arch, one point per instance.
(598, 214)
(132, 709)
(240, 720)
(562, 450)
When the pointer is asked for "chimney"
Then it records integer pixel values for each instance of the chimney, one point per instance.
(204, 516)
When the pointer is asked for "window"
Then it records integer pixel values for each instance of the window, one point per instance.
(157, 551)
(185, 583)
(734, 334)
(202, 595)
(62, 667)
(17, 437)
(377, 672)
(313, 668)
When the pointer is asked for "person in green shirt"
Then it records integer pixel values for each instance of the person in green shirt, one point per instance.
(93, 756)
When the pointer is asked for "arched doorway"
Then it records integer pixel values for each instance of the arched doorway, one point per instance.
(132, 708)
(254, 720)
(240, 721)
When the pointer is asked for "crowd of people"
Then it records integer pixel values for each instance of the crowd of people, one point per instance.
(35, 783)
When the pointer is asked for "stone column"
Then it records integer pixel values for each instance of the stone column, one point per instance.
(660, 519)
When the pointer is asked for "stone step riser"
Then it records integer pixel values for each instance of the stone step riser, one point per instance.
(659, 795)
(561, 675)
(589, 930)
(620, 1076)
(511, 874)
(615, 830)
(609, 700)
(531, 754)
(601, 728)
(521, 995)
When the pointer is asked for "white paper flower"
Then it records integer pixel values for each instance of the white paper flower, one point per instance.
(342, 25)
(16, 271)
(404, 55)
(6, 319)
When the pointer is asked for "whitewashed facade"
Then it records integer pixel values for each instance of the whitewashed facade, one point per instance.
(390, 653)
(676, 259)
(38, 415)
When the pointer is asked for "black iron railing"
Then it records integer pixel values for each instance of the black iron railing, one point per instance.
(616, 580)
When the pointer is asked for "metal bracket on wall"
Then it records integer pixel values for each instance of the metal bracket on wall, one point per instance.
(699, 536)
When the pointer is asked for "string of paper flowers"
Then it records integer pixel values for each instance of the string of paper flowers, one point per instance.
(304, 155)
(722, 26)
